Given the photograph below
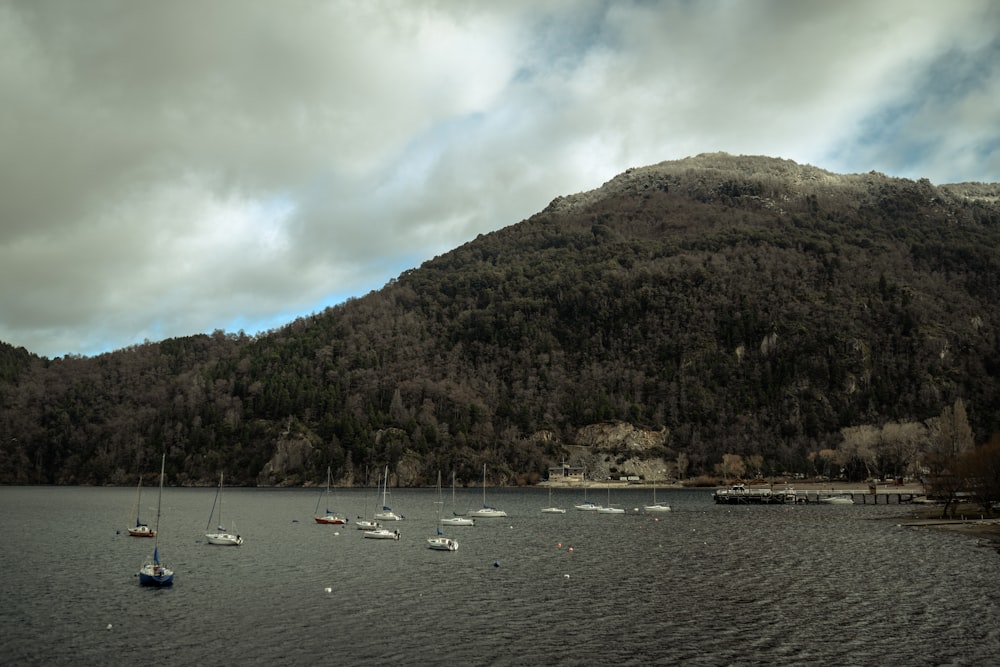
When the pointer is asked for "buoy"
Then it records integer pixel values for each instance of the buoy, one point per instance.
(566, 576)
(328, 589)
(109, 626)
(336, 533)
(496, 563)
(571, 548)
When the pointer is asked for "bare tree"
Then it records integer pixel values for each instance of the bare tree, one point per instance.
(857, 452)
(732, 464)
(980, 468)
(951, 438)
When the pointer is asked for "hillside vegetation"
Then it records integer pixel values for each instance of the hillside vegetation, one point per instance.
(733, 305)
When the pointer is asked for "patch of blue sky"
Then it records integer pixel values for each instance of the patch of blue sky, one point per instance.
(904, 136)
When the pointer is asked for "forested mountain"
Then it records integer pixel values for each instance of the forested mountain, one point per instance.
(733, 305)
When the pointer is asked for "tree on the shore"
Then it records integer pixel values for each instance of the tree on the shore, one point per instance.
(980, 470)
(732, 465)
(951, 440)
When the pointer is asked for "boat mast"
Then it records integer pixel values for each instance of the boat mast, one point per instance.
(159, 501)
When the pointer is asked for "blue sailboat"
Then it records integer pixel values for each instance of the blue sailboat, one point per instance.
(153, 572)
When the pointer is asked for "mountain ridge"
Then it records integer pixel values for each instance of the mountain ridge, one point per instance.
(746, 306)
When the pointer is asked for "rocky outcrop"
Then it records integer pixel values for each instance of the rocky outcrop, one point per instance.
(620, 436)
(291, 456)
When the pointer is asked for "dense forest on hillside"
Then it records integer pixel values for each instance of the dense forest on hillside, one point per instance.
(737, 305)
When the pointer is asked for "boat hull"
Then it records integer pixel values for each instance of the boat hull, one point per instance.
(487, 513)
(141, 531)
(442, 544)
(656, 508)
(382, 534)
(155, 576)
(553, 510)
(224, 539)
(458, 521)
(330, 520)
(836, 500)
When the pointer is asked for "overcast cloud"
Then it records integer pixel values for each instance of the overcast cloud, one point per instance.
(170, 168)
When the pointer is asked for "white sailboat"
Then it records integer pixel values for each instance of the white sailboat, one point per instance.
(376, 532)
(656, 507)
(153, 572)
(587, 505)
(140, 529)
(222, 536)
(455, 519)
(487, 511)
(439, 542)
(363, 522)
(386, 513)
(609, 509)
(328, 516)
(551, 509)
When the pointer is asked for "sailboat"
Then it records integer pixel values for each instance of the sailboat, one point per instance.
(153, 572)
(328, 516)
(587, 505)
(552, 509)
(363, 523)
(386, 513)
(455, 519)
(140, 529)
(222, 537)
(377, 532)
(609, 509)
(439, 542)
(656, 507)
(486, 511)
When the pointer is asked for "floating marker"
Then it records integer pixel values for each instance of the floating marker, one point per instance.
(328, 589)
(496, 563)
(566, 576)
(109, 626)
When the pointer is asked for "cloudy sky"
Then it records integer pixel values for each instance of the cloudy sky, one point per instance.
(175, 168)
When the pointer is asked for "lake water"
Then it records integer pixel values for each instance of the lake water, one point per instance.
(703, 585)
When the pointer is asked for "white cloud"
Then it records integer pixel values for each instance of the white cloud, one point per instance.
(203, 164)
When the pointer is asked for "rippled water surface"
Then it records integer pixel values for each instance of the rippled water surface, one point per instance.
(702, 585)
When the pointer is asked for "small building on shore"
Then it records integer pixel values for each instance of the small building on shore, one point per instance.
(566, 474)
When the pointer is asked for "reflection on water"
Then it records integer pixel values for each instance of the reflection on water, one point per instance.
(703, 585)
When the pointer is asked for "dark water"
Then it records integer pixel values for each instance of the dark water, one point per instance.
(703, 585)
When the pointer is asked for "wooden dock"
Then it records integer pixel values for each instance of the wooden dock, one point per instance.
(740, 494)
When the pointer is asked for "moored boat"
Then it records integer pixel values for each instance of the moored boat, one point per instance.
(656, 506)
(382, 534)
(140, 529)
(487, 511)
(153, 572)
(222, 536)
(329, 516)
(386, 513)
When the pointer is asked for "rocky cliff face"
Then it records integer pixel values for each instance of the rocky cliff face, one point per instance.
(620, 449)
(291, 456)
(618, 436)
